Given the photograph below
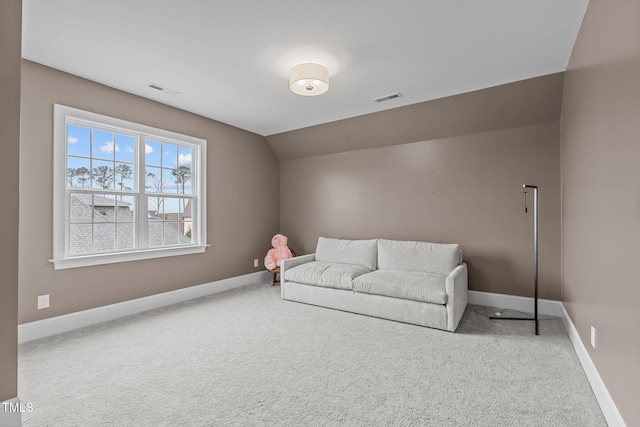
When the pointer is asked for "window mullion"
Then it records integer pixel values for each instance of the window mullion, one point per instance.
(67, 221)
(142, 216)
(195, 201)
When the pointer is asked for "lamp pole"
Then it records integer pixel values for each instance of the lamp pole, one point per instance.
(535, 260)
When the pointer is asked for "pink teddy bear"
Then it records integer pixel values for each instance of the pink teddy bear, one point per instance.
(279, 252)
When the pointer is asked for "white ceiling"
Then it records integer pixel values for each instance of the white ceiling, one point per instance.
(229, 59)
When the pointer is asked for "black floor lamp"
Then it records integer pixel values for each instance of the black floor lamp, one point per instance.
(535, 257)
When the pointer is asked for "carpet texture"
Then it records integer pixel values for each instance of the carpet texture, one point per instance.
(247, 358)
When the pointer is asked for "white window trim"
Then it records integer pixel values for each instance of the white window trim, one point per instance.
(62, 261)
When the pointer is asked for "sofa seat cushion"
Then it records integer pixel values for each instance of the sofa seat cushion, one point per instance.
(416, 286)
(325, 274)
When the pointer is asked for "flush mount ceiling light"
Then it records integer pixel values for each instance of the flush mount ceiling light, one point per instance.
(309, 79)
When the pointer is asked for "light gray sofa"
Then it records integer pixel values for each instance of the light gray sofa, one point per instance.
(413, 282)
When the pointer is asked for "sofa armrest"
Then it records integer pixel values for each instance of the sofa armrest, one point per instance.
(457, 287)
(290, 263)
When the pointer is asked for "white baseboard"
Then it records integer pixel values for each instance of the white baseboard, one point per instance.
(609, 408)
(11, 413)
(512, 302)
(55, 325)
(555, 308)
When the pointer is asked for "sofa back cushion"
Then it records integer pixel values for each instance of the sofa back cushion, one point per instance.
(356, 252)
(424, 257)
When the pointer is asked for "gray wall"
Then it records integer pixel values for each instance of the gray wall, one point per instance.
(600, 142)
(447, 170)
(10, 48)
(242, 198)
(463, 189)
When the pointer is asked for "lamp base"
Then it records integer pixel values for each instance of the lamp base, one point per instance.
(535, 319)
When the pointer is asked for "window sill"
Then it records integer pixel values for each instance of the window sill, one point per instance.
(100, 259)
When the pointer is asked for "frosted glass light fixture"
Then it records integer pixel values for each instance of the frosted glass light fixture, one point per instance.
(309, 79)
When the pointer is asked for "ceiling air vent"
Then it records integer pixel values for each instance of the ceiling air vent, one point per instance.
(163, 89)
(388, 97)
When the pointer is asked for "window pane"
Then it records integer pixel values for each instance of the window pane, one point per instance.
(171, 233)
(80, 236)
(102, 175)
(104, 208)
(169, 156)
(103, 145)
(153, 153)
(174, 234)
(168, 181)
(124, 233)
(188, 239)
(153, 179)
(155, 232)
(78, 172)
(104, 236)
(80, 209)
(156, 208)
(182, 178)
(183, 239)
(125, 208)
(175, 207)
(124, 176)
(78, 140)
(171, 208)
(187, 210)
(167, 226)
(125, 148)
(184, 156)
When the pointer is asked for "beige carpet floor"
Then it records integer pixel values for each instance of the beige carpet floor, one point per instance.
(247, 358)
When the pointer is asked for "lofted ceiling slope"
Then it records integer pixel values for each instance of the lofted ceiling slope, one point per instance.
(525, 103)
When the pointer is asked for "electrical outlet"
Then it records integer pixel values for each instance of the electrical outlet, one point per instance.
(43, 301)
(255, 262)
(593, 337)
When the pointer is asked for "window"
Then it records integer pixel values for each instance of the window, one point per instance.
(124, 191)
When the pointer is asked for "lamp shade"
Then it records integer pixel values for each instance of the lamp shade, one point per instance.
(309, 79)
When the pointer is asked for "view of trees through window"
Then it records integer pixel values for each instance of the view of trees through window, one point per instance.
(109, 174)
